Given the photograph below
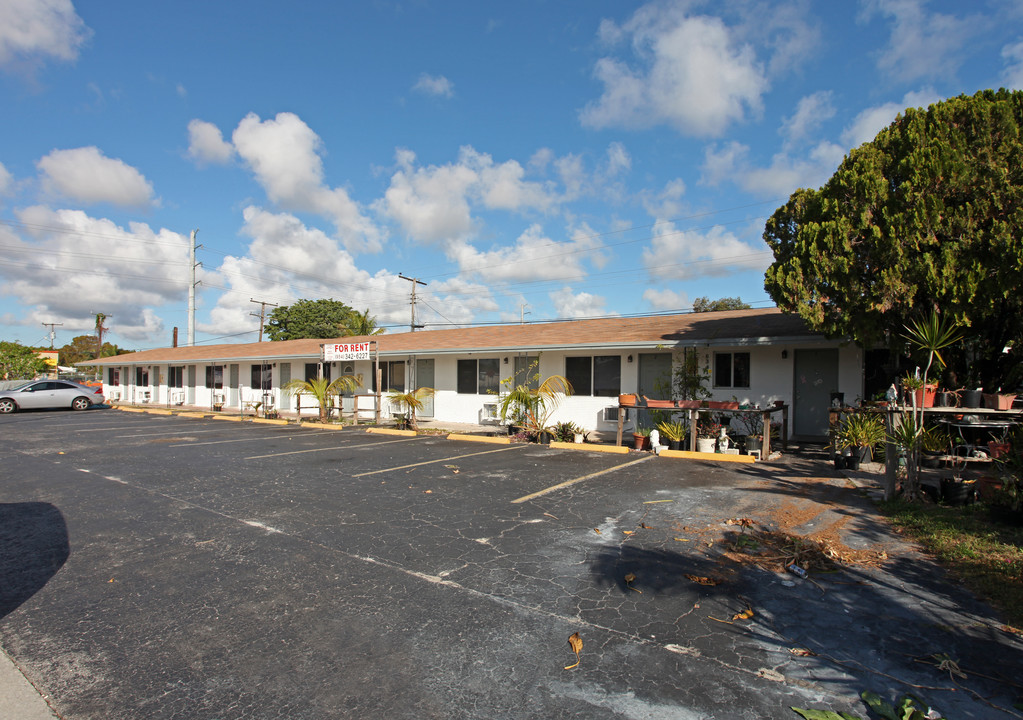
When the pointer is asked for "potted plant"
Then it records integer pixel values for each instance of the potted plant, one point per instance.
(752, 426)
(534, 406)
(707, 431)
(860, 432)
(934, 443)
(672, 431)
(641, 438)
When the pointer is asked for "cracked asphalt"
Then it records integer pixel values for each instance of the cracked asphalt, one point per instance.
(159, 566)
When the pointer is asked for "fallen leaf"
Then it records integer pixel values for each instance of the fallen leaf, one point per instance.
(596, 530)
(802, 652)
(651, 502)
(428, 492)
(744, 615)
(628, 532)
(683, 540)
(576, 643)
(645, 526)
(702, 580)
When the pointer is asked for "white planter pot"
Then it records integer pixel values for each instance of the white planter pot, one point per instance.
(705, 445)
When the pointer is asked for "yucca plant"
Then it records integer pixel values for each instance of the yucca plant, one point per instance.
(674, 431)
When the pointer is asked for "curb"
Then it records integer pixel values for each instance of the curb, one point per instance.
(591, 447)
(713, 457)
(391, 431)
(480, 438)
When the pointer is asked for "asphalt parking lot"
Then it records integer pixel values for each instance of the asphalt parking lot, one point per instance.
(157, 566)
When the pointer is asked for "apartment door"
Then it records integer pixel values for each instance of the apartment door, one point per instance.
(816, 378)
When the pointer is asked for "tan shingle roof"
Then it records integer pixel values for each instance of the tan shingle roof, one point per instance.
(734, 327)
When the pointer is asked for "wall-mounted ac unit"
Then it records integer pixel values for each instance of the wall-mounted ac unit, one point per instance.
(611, 414)
(115, 395)
(489, 412)
(178, 397)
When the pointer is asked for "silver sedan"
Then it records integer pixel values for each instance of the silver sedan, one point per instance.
(40, 394)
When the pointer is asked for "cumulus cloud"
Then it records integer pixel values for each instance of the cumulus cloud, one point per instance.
(569, 304)
(785, 173)
(434, 203)
(868, 123)
(689, 72)
(922, 44)
(685, 254)
(6, 181)
(286, 260)
(810, 113)
(533, 256)
(666, 299)
(1012, 75)
(87, 175)
(436, 85)
(206, 144)
(34, 30)
(667, 202)
(69, 265)
(284, 155)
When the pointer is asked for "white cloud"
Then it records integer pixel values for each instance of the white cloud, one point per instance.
(686, 254)
(784, 175)
(667, 202)
(436, 85)
(810, 113)
(33, 30)
(285, 261)
(722, 163)
(71, 266)
(6, 181)
(868, 123)
(533, 256)
(434, 203)
(284, 154)
(666, 299)
(568, 304)
(87, 175)
(206, 144)
(690, 73)
(922, 44)
(1012, 75)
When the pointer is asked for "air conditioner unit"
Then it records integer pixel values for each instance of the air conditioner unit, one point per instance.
(489, 411)
(115, 395)
(178, 397)
(611, 414)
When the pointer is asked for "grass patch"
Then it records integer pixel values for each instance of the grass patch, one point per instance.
(984, 553)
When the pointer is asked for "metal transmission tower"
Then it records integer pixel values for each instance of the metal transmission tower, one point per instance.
(414, 281)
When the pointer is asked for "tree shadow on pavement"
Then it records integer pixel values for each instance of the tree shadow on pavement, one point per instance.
(33, 548)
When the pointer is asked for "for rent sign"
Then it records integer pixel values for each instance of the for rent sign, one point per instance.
(341, 352)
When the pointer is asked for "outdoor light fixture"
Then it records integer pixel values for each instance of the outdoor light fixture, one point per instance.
(784, 354)
(506, 361)
(630, 358)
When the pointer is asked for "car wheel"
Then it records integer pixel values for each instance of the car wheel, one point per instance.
(7, 405)
(80, 403)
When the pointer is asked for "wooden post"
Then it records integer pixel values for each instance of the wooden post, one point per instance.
(765, 449)
(621, 422)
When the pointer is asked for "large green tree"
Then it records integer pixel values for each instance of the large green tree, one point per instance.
(705, 304)
(318, 319)
(19, 362)
(83, 347)
(929, 215)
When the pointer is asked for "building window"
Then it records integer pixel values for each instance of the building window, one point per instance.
(393, 374)
(731, 370)
(141, 377)
(262, 377)
(479, 377)
(600, 376)
(312, 371)
(176, 377)
(215, 377)
(114, 376)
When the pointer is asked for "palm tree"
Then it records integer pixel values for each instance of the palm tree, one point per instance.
(534, 406)
(324, 390)
(413, 401)
(360, 324)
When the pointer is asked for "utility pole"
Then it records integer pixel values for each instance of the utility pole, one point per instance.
(414, 281)
(51, 326)
(523, 313)
(262, 314)
(191, 289)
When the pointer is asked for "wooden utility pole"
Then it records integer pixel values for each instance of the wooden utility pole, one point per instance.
(262, 314)
(414, 281)
(191, 289)
(51, 326)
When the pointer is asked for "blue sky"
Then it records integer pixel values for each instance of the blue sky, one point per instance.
(531, 160)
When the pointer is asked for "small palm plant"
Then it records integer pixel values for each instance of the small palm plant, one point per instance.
(323, 390)
(535, 405)
(412, 402)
